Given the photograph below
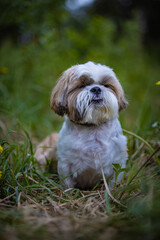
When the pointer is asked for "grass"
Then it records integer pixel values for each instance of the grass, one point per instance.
(32, 203)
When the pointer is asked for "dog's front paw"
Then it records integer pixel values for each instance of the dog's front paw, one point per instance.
(68, 183)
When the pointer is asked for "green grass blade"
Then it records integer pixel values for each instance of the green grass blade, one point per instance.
(108, 206)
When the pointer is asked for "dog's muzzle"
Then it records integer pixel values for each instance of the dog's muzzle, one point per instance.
(96, 95)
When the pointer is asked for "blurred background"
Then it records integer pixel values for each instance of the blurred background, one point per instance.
(40, 39)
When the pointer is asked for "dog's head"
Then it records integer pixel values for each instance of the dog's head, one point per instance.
(88, 93)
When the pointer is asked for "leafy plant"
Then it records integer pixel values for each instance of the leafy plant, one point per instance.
(117, 169)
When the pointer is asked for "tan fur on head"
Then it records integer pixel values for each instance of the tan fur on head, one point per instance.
(116, 87)
(60, 92)
(59, 96)
(65, 93)
(122, 102)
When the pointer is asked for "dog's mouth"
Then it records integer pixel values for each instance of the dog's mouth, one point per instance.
(96, 100)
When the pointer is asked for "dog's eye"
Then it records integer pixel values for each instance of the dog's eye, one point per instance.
(81, 86)
(106, 85)
(112, 88)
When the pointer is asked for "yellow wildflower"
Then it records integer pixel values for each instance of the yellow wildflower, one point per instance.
(158, 83)
(0, 174)
(1, 149)
(4, 70)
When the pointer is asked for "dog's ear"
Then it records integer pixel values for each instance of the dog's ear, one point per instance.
(59, 95)
(122, 103)
(121, 98)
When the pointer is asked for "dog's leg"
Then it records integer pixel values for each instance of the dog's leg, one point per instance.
(46, 150)
(67, 183)
(67, 179)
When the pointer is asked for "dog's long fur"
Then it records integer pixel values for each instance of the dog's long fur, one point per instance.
(91, 97)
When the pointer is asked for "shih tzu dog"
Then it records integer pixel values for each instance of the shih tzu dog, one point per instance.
(91, 97)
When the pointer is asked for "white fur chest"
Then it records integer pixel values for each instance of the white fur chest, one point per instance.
(79, 148)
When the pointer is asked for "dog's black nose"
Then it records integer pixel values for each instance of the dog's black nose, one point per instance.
(96, 90)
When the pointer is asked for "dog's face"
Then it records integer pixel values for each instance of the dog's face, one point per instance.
(88, 93)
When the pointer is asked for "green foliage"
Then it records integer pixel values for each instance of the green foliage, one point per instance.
(32, 71)
(19, 167)
(108, 207)
(32, 16)
(117, 170)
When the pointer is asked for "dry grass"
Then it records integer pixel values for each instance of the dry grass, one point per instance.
(34, 206)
